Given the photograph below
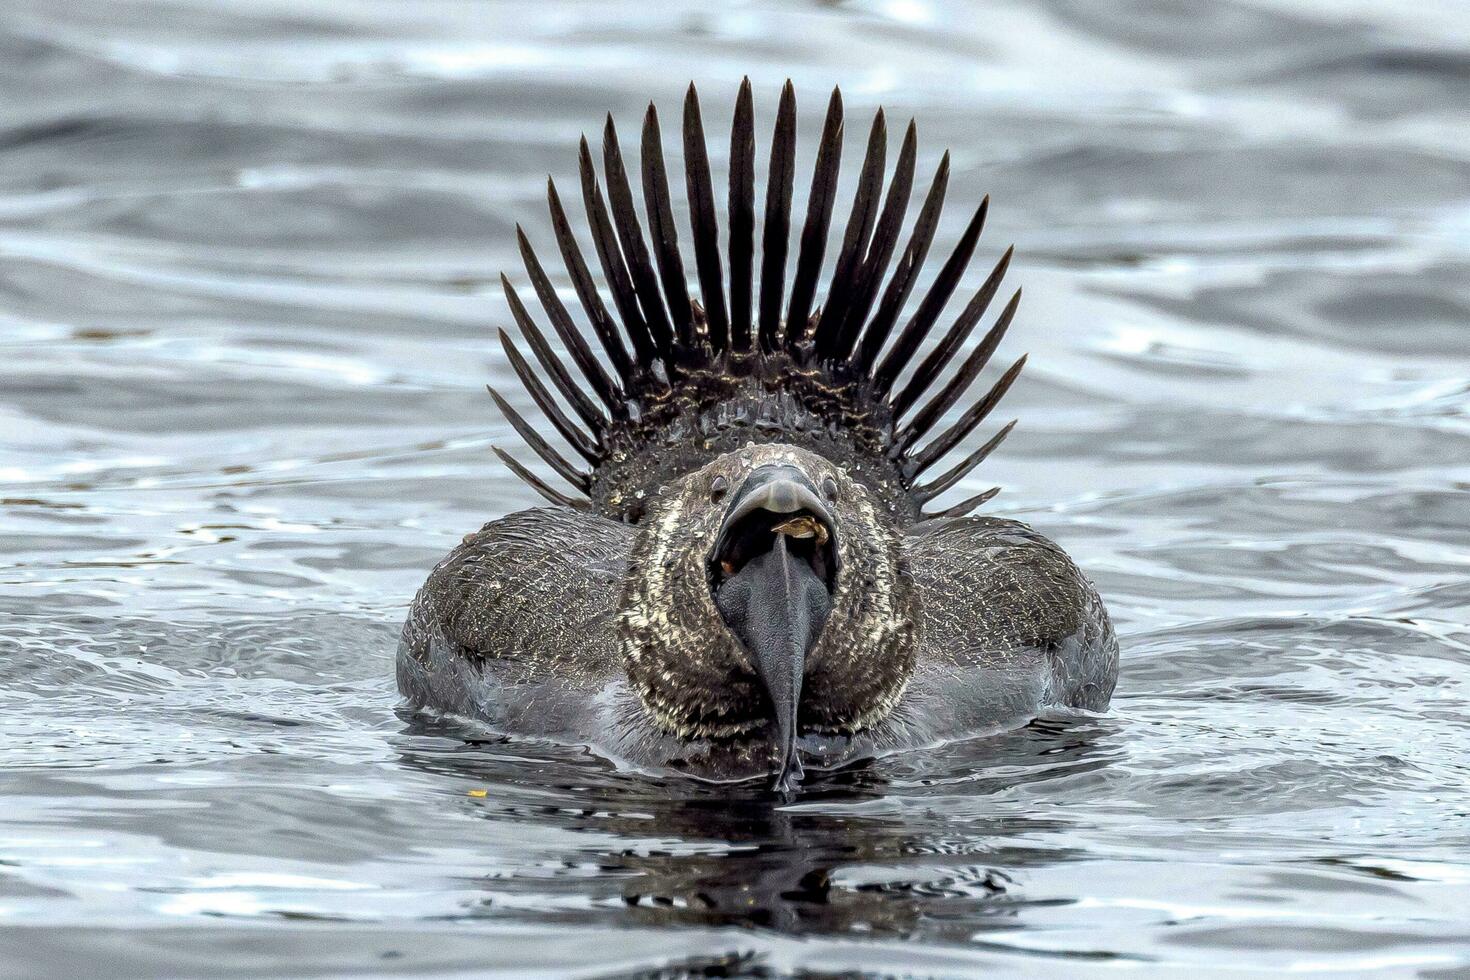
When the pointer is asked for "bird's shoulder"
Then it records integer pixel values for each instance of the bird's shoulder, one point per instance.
(998, 579)
(531, 587)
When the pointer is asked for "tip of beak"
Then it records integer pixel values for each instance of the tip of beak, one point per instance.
(788, 779)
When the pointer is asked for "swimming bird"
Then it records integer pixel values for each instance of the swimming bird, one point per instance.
(749, 577)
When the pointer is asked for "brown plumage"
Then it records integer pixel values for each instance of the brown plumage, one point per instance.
(746, 574)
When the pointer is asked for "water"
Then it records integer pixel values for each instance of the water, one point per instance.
(246, 309)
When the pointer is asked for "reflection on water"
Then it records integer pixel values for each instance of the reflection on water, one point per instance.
(247, 307)
(838, 861)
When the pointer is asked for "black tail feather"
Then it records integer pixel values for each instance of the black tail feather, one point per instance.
(964, 506)
(972, 417)
(539, 485)
(907, 274)
(928, 491)
(741, 209)
(776, 236)
(855, 240)
(932, 305)
(582, 481)
(880, 250)
(818, 220)
(635, 249)
(701, 191)
(550, 363)
(575, 437)
(932, 412)
(943, 352)
(571, 337)
(669, 337)
(610, 255)
(576, 264)
(660, 209)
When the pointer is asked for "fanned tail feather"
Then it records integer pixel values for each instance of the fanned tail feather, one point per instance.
(745, 322)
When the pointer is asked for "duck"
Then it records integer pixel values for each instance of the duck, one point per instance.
(741, 571)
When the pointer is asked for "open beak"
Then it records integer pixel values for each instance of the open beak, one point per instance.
(772, 573)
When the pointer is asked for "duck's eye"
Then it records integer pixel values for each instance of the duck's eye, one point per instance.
(717, 488)
(829, 489)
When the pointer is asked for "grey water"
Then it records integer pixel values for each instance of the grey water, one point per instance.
(248, 297)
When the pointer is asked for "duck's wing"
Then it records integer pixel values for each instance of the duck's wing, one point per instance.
(659, 381)
(1010, 626)
(517, 625)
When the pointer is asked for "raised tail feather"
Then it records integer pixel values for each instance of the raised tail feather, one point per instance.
(680, 379)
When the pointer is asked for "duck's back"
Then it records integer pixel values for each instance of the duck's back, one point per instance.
(1011, 626)
(516, 626)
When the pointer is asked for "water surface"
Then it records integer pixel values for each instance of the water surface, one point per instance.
(247, 303)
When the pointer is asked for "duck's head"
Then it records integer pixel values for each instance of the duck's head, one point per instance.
(767, 598)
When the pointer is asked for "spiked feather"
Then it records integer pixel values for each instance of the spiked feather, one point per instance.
(777, 233)
(571, 253)
(964, 506)
(870, 274)
(550, 363)
(574, 436)
(932, 412)
(960, 470)
(665, 236)
(706, 230)
(818, 219)
(855, 239)
(944, 351)
(561, 322)
(933, 303)
(973, 416)
(610, 255)
(677, 380)
(635, 250)
(536, 483)
(538, 445)
(742, 217)
(907, 273)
